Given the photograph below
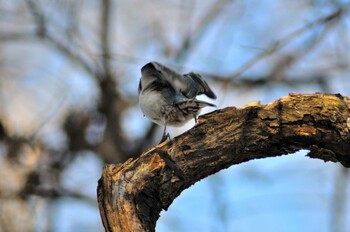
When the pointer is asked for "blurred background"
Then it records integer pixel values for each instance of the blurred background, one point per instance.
(69, 72)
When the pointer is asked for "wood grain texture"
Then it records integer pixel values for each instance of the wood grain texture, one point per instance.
(131, 195)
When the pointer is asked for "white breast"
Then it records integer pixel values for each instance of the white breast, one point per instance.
(151, 104)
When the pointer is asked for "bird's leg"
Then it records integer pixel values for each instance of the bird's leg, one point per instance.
(164, 131)
(165, 135)
(195, 119)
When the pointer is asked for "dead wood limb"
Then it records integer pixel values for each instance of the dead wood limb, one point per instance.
(131, 195)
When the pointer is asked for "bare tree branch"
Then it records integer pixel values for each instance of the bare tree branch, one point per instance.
(131, 195)
(11, 37)
(286, 40)
(64, 49)
(259, 81)
(51, 193)
(192, 38)
(42, 32)
(105, 35)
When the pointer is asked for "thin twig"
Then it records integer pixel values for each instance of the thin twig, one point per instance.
(192, 38)
(17, 36)
(105, 36)
(284, 41)
(42, 32)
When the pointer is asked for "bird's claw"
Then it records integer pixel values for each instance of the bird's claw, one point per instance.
(164, 138)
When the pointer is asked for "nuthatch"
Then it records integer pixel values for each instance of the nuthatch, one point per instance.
(168, 98)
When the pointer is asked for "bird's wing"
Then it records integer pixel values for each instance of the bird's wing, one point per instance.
(196, 86)
(153, 79)
(189, 85)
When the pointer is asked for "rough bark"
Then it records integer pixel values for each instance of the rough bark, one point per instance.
(131, 195)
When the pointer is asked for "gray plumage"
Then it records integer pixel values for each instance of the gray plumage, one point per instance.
(169, 98)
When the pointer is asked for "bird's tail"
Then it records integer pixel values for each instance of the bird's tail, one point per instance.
(192, 106)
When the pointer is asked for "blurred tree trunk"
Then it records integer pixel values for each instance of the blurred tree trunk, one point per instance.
(131, 195)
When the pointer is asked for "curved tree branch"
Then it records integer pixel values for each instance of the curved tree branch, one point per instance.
(131, 195)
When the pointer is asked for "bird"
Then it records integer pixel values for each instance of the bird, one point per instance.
(168, 98)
